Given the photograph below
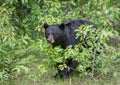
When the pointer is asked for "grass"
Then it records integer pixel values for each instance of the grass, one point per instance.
(48, 80)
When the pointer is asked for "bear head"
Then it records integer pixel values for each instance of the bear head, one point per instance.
(54, 33)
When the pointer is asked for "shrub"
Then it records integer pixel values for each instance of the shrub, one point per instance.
(22, 39)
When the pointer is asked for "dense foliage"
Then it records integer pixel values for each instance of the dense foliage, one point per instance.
(23, 49)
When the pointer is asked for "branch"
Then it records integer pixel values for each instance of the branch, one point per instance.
(93, 64)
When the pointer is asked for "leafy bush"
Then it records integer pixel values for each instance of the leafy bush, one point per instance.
(22, 37)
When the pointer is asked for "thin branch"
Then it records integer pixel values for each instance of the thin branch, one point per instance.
(93, 65)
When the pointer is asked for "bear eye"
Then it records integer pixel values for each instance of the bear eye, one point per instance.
(53, 34)
(47, 34)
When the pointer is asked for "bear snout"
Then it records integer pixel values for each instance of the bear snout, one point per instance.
(50, 39)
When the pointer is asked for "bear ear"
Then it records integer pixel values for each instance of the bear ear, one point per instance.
(62, 26)
(45, 25)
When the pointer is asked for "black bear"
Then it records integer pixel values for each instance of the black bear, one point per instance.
(64, 35)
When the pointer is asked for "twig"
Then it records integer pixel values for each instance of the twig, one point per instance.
(99, 76)
(93, 64)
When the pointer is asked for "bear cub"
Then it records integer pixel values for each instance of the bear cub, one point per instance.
(64, 35)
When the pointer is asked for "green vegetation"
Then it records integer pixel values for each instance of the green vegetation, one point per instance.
(24, 52)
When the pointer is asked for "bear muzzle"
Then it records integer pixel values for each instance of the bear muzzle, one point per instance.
(50, 39)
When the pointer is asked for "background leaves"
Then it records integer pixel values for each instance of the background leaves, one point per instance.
(22, 40)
